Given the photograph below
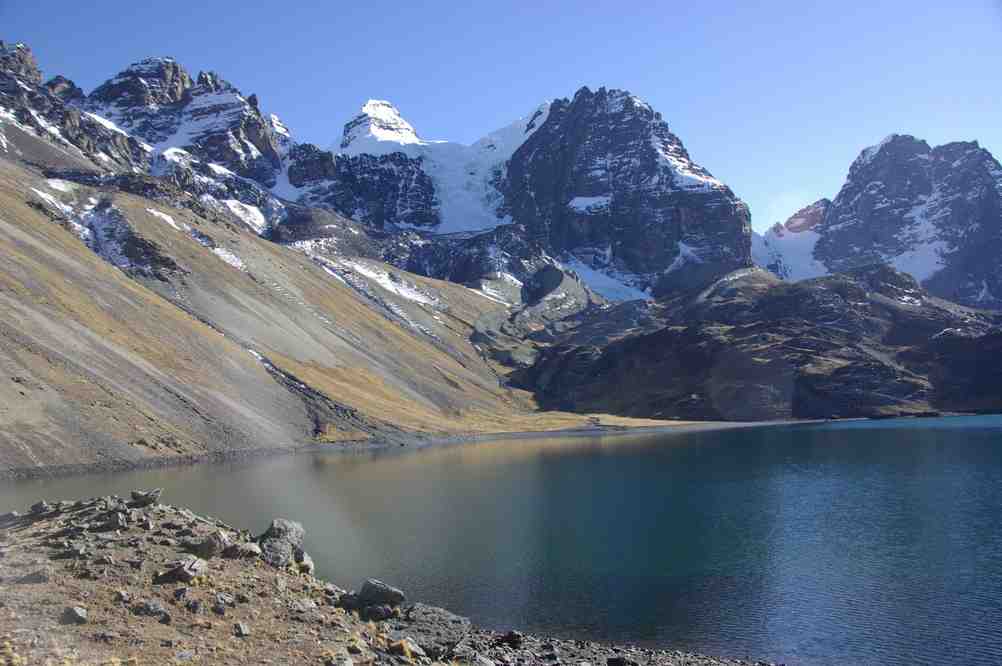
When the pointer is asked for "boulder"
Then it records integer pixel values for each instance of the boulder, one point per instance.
(142, 498)
(213, 545)
(182, 571)
(152, 608)
(436, 630)
(281, 541)
(376, 592)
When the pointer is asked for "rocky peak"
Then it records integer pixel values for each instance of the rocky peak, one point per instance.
(147, 83)
(213, 82)
(18, 60)
(64, 89)
(934, 213)
(604, 172)
(378, 122)
(806, 218)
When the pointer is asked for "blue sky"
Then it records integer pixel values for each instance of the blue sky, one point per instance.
(775, 98)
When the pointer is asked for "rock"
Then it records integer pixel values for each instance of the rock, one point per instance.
(152, 608)
(303, 606)
(406, 647)
(281, 541)
(377, 613)
(212, 546)
(342, 660)
(241, 630)
(35, 577)
(304, 562)
(74, 615)
(512, 639)
(376, 592)
(621, 661)
(9, 518)
(115, 521)
(141, 498)
(242, 550)
(40, 506)
(436, 630)
(182, 571)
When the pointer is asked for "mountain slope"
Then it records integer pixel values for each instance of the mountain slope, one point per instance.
(868, 343)
(143, 324)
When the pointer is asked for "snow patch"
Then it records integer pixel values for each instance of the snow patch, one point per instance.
(604, 284)
(391, 282)
(687, 254)
(590, 205)
(789, 253)
(250, 215)
(164, 217)
(61, 185)
(229, 257)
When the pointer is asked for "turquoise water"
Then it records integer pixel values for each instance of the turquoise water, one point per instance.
(858, 542)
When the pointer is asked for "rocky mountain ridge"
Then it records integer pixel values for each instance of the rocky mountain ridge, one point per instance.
(867, 343)
(663, 217)
(932, 212)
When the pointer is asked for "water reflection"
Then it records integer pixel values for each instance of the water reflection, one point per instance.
(850, 542)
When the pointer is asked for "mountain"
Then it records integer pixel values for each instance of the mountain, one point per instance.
(154, 305)
(598, 183)
(932, 212)
(183, 278)
(867, 343)
(605, 180)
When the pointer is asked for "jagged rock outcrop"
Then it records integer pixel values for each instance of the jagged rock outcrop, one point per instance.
(604, 171)
(932, 212)
(39, 110)
(157, 100)
(380, 190)
(750, 347)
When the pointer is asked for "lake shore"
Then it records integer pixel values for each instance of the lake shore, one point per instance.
(113, 580)
(403, 442)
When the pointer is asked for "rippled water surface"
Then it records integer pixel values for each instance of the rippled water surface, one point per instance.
(861, 542)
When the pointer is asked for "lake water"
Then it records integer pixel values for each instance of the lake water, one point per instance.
(856, 542)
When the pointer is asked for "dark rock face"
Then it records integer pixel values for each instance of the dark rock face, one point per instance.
(751, 347)
(18, 60)
(156, 100)
(935, 213)
(467, 258)
(42, 111)
(64, 89)
(604, 171)
(378, 190)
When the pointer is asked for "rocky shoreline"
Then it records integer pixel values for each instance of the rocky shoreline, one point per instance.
(129, 581)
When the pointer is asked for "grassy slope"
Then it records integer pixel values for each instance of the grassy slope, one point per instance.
(98, 366)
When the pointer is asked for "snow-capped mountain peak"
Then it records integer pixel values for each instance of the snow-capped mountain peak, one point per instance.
(378, 129)
(506, 140)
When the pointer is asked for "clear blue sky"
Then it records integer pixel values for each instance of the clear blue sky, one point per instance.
(775, 98)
